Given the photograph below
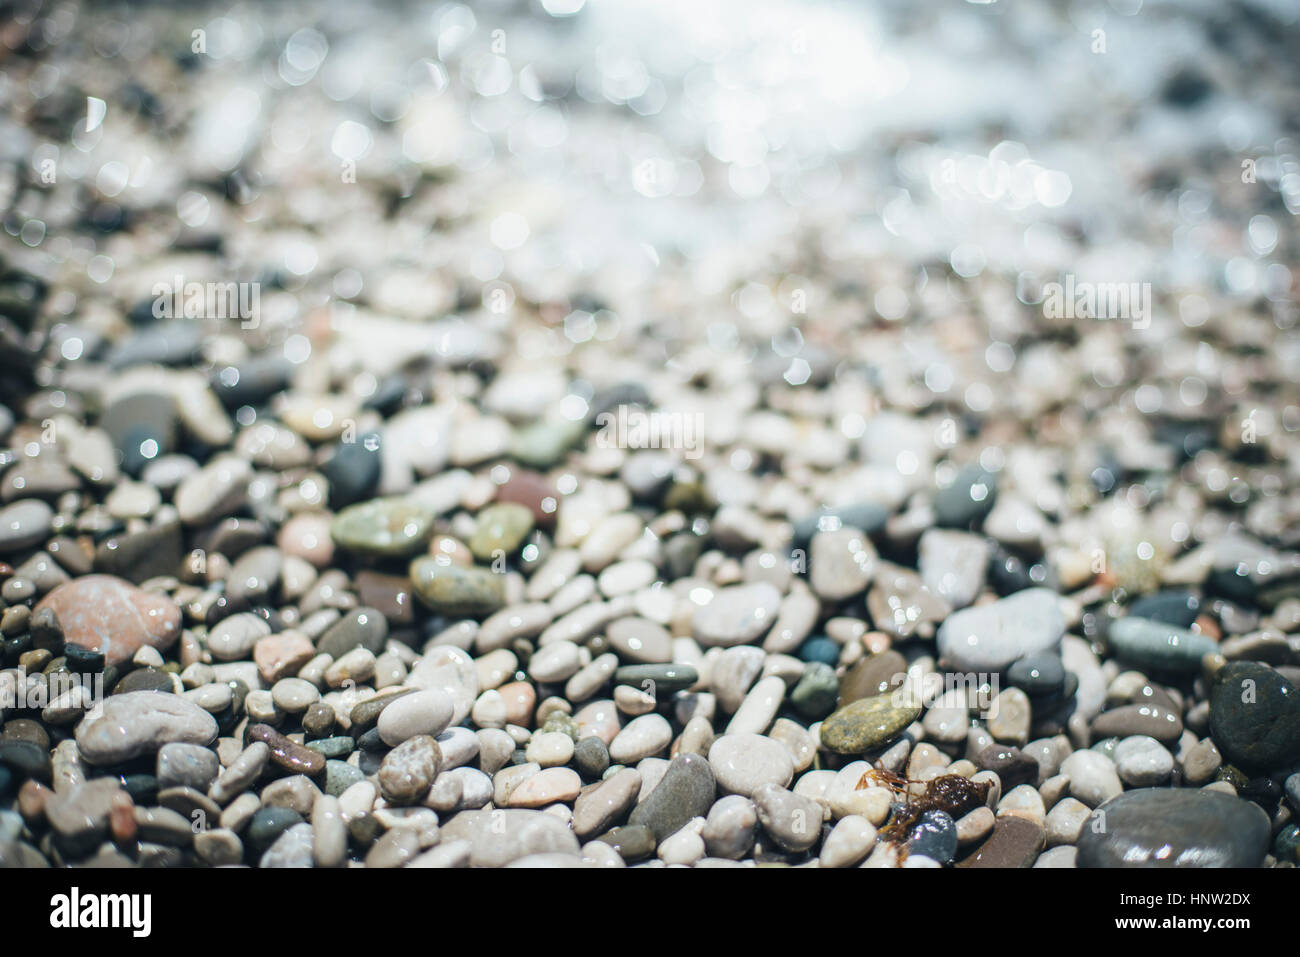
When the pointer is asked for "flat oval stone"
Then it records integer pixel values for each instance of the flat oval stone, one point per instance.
(127, 725)
(287, 753)
(737, 615)
(1174, 827)
(1255, 716)
(359, 628)
(23, 524)
(744, 762)
(873, 675)
(641, 738)
(457, 592)
(600, 807)
(663, 679)
(685, 791)
(500, 528)
(867, 724)
(640, 640)
(1138, 719)
(425, 712)
(1157, 646)
(988, 638)
(106, 614)
(394, 527)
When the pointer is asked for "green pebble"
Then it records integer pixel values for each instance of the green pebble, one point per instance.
(457, 592)
(815, 695)
(500, 530)
(393, 527)
(867, 724)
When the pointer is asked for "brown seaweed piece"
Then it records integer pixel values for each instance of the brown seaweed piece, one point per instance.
(952, 793)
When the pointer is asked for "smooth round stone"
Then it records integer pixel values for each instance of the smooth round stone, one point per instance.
(394, 527)
(591, 757)
(849, 842)
(339, 776)
(1175, 827)
(760, 706)
(267, 825)
(730, 828)
(499, 530)
(294, 695)
(872, 676)
(632, 842)
(548, 786)
(213, 491)
(1012, 766)
(988, 638)
(934, 836)
(24, 524)
(685, 791)
(1138, 719)
(408, 770)
(1157, 646)
(255, 575)
(353, 470)
(457, 592)
(108, 615)
(1143, 762)
(1177, 608)
(744, 762)
(286, 753)
(867, 723)
(425, 712)
(550, 749)
(840, 563)
(641, 738)
(792, 820)
(738, 614)
(815, 695)
(307, 536)
(953, 565)
(125, 726)
(819, 649)
(1093, 778)
(234, 638)
(555, 662)
(1255, 716)
(599, 807)
(1039, 676)
(359, 628)
(657, 680)
(640, 640)
(968, 499)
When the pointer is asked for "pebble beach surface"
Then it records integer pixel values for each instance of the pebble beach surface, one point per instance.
(650, 444)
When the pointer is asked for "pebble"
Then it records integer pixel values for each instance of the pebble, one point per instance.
(125, 726)
(685, 791)
(1158, 646)
(988, 638)
(867, 723)
(547, 786)
(744, 762)
(1093, 778)
(106, 614)
(1255, 716)
(794, 822)
(409, 769)
(840, 563)
(1015, 842)
(953, 565)
(422, 713)
(641, 738)
(730, 828)
(737, 615)
(457, 592)
(1174, 827)
(848, 843)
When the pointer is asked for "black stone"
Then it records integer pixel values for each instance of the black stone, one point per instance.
(1255, 716)
(1174, 827)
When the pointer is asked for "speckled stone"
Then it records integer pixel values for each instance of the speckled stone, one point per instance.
(867, 723)
(110, 615)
